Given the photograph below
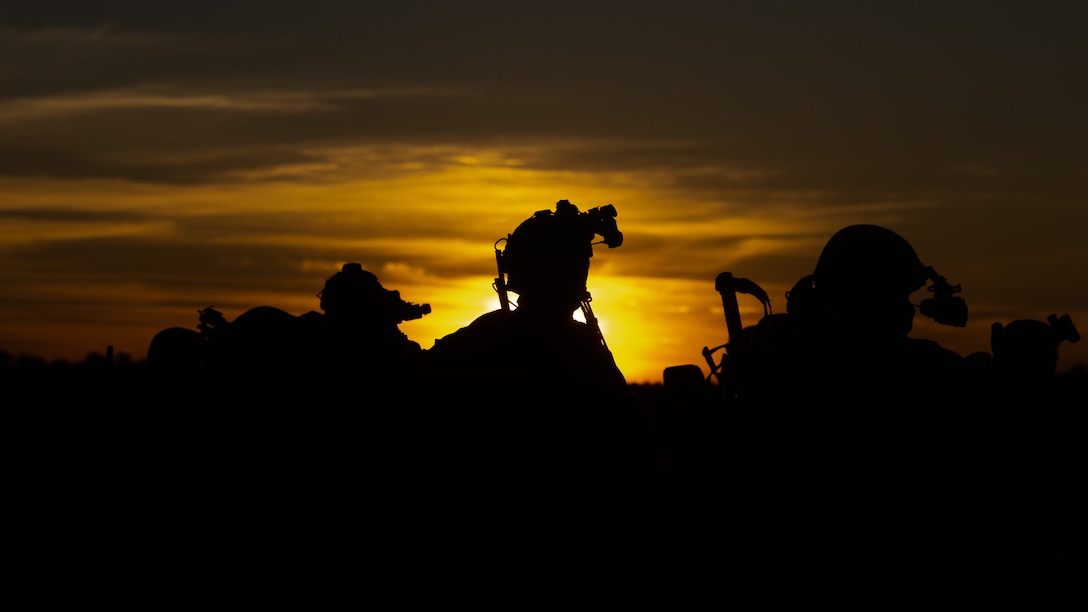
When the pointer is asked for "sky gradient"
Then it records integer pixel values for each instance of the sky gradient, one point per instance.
(159, 159)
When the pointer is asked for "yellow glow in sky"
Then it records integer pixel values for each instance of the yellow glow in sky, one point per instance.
(96, 263)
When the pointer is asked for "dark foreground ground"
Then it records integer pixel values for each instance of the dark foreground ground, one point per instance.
(115, 503)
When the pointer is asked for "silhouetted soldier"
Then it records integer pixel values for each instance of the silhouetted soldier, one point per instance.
(313, 409)
(541, 443)
(1025, 475)
(850, 436)
(360, 324)
(332, 469)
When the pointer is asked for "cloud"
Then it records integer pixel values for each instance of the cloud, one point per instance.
(24, 109)
(161, 97)
(48, 214)
(98, 34)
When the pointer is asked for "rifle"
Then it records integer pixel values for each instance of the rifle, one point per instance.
(728, 286)
(591, 320)
(500, 281)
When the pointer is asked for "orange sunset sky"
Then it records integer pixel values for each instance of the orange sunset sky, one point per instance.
(158, 159)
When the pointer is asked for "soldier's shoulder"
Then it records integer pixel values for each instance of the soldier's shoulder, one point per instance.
(934, 350)
(483, 328)
(928, 356)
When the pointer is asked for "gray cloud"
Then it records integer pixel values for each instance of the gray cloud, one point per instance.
(823, 99)
(64, 214)
(195, 256)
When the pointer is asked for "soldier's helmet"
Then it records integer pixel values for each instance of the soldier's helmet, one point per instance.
(868, 260)
(862, 284)
(549, 253)
(354, 294)
(1028, 349)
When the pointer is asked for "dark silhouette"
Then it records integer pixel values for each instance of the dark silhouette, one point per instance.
(537, 444)
(326, 461)
(327, 473)
(1024, 474)
(302, 420)
(845, 436)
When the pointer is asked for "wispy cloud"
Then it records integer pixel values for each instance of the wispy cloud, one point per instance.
(55, 214)
(102, 34)
(161, 97)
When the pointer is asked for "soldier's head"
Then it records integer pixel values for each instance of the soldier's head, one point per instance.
(355, 295)
(547, 256)
(1026, 351)
(864, 278)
